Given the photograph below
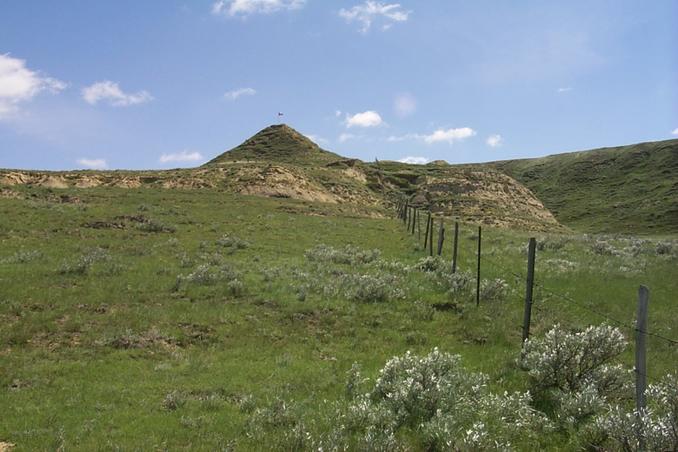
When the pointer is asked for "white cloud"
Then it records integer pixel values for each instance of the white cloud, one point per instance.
(337, 113)
(449, 135)
(236, 93)
(404, 105)
(565, 89)
(494, 141)
(371, 11)
(365, 119)
(439, 136)
(409, 136)
(110, 92)
(19, 84)
(675, 132)
(344, 137)
(93, 163)
(183, 156)
(247, 7)
(414, 160)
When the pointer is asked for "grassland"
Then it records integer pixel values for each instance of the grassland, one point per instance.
(631, 189)
(147, 319)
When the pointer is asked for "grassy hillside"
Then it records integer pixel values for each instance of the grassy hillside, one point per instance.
(629, 189)
(279, 162)
(147, 319)
(278, 144)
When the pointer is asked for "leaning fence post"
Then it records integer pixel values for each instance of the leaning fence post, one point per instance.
(441, 237)
(430, 237)
(480, 236)
(527, 316)
(641, 358)
(428, 223)
(454, 247)
(414, 219)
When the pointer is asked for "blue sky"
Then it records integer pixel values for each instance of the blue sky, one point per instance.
(160, 84)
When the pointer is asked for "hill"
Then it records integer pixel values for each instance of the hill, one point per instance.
(277, 143)
(631, 189)
(280, 162)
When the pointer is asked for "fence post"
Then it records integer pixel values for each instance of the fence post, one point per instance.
(527, 316)
(430, 237)
(407, 206)
(414, 219)
(641, 358)
(441, 237)
(480, 236)
(454, 247)
(428, 223)
(419, 227)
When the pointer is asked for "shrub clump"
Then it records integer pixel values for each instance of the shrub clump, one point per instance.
(349, 254)
(84, 262)
(604, 248)
(369, 288)
(663, 248)
(572, 371)
(205, 275)
(151, 225)
(232, 242)
(431, 264)
(655, 428)
(22, 257)
(493, 290)
(446, 406)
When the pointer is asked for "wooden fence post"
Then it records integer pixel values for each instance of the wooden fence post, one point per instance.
(414, 219)
(641, 357)
(430, 237)
(454, 247)
(527, 316)
(441, 237)
(428, 223)
(480, 236)
(407, 206)
(419, 227)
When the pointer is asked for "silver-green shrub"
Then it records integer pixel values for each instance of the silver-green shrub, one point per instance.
(653, 429)
(574, 370)
(349, 254)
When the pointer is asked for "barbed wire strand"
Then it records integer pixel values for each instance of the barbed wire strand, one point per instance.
(578, 304)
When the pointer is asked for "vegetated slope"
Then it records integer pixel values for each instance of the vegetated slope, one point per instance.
(280, 162)
(474, 195)
(629, 189)
(277, 143)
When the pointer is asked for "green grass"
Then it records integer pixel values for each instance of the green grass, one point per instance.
(88, 359)
(628, 189)
(280, 144)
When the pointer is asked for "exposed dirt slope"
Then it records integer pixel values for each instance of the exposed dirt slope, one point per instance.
(280, 162)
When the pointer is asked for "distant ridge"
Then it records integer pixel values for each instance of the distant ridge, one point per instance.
(280, 144)
(631, 189)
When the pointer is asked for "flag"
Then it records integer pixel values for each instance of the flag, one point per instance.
(280, 114)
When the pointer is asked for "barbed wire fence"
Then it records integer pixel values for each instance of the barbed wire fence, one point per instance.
(411, 217)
